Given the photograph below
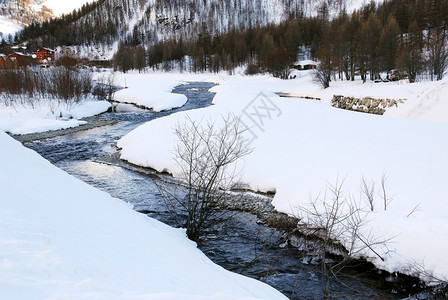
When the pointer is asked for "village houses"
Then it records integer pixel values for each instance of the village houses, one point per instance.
(14, 60)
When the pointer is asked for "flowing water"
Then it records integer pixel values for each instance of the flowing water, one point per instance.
(242, 244)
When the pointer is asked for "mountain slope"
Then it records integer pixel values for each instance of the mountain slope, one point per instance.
(15, 14)
(97, 32)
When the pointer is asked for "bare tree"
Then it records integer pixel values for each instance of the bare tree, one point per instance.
(322, 74)
(383, 194)
(139, 58)
(411, 57)
(208, 160)
(438, 52)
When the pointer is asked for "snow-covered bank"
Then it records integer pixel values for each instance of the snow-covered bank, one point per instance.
(424, 100)
(429, 104)
(45, 116)
(145, 90)
(153, 92)
(63, 239)
(303, 145)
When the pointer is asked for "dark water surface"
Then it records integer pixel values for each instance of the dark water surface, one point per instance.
(241, 244)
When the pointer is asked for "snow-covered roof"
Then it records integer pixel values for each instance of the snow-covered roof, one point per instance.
(307, 62)
(48, 49)
(19, 53)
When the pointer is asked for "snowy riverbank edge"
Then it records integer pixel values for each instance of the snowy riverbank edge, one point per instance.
(305, 145)
(424, 101)
(60, 237)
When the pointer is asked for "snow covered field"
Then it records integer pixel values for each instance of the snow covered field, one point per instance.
(153, 92)
(301, 146)
(23, 119)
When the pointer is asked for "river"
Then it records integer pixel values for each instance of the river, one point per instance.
(243, 243)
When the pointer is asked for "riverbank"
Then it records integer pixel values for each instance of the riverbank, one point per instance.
(303, 148)
(302, 160)
(90, 122)
(62, 238)
(244, 243)
(304, 247)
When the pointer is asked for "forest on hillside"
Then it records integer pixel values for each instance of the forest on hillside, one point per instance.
(409, 35)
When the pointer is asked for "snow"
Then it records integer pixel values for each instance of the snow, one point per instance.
(301, 146)
(64, 7)
(8, 26)
(23, 119)
(148, 91)
(429, 104)
(63, 239)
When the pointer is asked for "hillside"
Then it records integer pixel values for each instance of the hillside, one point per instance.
(16, 14)
(96, 31)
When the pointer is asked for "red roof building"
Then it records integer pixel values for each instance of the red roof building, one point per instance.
(45, 54)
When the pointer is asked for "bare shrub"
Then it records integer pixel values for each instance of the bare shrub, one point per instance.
(104, 87)
(419, 270)
(369, 192)
(67, 61)
(252, 69)
(335, 222)
(28, 86)
(208, 159)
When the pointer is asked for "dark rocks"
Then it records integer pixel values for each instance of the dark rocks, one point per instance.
(367, 105)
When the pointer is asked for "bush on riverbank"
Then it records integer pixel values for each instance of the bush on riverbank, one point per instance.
(29, 86)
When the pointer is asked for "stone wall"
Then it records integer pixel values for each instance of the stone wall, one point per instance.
(368, 104)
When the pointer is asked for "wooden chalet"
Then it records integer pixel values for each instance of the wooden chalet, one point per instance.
(306, 65)
(22, 60)
(45, 55)
(7, 63)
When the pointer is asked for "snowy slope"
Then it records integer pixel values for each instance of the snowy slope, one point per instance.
(150, 21)
(429, 104)
(63, 239)
(18, 14)
(63, 7)
(8, 26)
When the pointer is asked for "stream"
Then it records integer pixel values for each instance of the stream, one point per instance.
(242, 244)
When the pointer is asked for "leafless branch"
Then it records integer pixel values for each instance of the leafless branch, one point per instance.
(368, 192)
(415, 209)
(208, 159)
